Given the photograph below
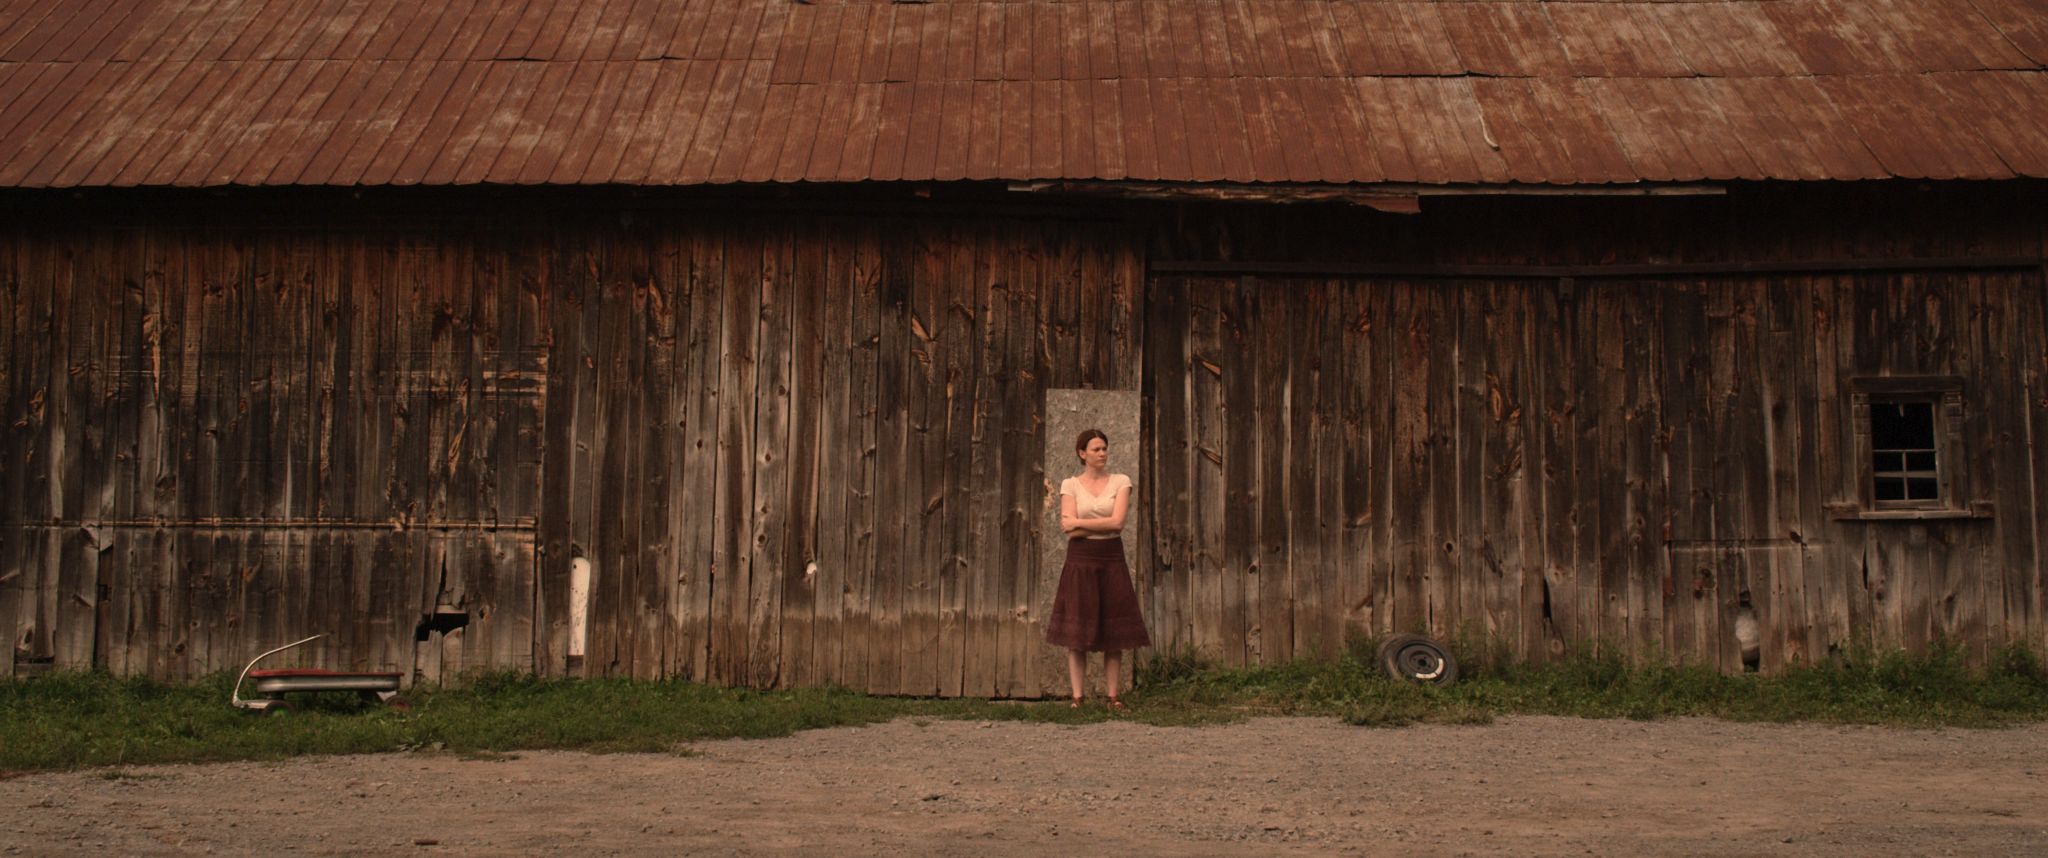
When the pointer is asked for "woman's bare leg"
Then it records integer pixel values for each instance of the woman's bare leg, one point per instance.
(1112, 669)
(1077, 671)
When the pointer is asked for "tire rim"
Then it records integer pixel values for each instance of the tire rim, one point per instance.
(1422, 663)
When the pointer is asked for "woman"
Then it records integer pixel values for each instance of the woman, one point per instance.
(1096, 609)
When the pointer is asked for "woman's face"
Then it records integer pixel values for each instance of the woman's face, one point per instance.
(1096, 454)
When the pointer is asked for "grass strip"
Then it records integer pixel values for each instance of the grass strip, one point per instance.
(72, 720)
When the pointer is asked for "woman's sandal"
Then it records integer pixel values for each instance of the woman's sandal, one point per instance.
(1076, 704)
(1116, 705)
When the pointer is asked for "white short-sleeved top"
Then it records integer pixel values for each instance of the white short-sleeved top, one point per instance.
(1090, 505)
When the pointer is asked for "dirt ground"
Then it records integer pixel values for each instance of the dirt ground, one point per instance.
(1288, 786)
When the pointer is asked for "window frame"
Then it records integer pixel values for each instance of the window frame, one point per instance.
(1952, 479)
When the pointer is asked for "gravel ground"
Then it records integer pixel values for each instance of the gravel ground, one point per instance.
(1285, 786)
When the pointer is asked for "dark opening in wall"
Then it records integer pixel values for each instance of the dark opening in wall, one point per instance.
(1904, 465)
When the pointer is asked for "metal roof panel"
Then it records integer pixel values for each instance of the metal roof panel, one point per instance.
(986, 120)
(564, 110)
(417, 139)
(597, 156)
(1193, 90)
(2022, 23)
(214, 140)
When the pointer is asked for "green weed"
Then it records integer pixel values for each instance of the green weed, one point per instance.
(70, 720)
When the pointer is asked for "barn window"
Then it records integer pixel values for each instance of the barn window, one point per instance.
(1905, 463)
(1908, 443)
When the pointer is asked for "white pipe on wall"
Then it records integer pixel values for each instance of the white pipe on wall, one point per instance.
(579, 605)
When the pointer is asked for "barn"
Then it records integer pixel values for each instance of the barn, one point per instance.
(742, 340)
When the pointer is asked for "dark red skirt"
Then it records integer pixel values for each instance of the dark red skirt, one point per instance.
(1096, 609)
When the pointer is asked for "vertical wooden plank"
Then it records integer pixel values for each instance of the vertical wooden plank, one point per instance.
(1494, 319)
(298, 262)
(806, 303)
(415, 471)
(924, 492)
(184, 491)
(1478, 447)
(957, 340)
(1643, 551)
(895, 503)
(699, 377)
(1410, 487)
(1239, 425)
(733, 518)
(1058, 365)
(1308, 309)
(1213, 633)
(1538, 630)
(441, 411)
(14, 395)
(771, 470)
(621, 353)
(1384, 351)
(1844, 590)
(836, 441)
(286, 306)
(524, 290)
(219, 603)
(31, 351)
(103, 268)
(1356, 434)
(2032, 297)
(1326, 570)
(335, 321)
(565, 465)
(648, 331)
(1124, 318)
(657, 323)
(124, 575)
(1022, 464)
(984, 575)
(1271, 326)
(1170, 455)
(1686, 408)
(1595, 471)
(862, 635)
(1556, 309)
(1787, 440)
(803, 306)
(1446, 578)
(1800, 317)
(76, 454)
(1012, 559)
(1732, 422)
(1982, 342)
(1616, 477)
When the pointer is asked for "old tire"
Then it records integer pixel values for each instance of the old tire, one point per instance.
(1417, 659)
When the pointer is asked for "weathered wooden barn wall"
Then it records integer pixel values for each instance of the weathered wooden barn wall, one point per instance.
(795, 451)
(1547, 461)
(839, 478)
(222, 440)
(801, 445)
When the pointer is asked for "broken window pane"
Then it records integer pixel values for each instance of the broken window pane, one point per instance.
(1902, 453)
(1902, 425)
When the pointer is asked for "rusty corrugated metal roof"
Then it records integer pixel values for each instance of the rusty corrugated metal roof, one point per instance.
(680, 92)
